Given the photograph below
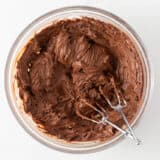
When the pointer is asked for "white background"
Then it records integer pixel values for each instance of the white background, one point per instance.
(144, 17)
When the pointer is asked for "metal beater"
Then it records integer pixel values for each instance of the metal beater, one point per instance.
(103, 114)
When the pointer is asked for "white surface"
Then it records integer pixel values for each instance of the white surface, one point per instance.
(144, 17)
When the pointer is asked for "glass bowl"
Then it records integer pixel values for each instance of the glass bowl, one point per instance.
(17, 48)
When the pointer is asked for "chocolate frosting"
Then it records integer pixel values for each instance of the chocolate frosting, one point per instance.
(69, 61)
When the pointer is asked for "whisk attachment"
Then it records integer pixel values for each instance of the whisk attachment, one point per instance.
(121, 103)
(103, 117)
